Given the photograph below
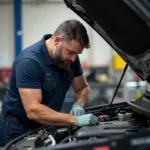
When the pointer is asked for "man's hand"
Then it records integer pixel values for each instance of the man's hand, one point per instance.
(77, 110)
(85, 120)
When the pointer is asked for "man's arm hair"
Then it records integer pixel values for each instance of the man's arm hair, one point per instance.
(32, 98)
(82, 90)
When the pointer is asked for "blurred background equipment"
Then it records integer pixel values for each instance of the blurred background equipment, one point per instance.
(4, 80)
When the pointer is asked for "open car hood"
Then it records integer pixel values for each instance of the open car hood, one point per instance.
(124, 24)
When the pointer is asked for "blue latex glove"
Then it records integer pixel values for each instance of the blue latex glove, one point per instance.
(77, 110)
(86, 120)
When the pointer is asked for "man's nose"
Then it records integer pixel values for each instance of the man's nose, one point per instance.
(73, 58)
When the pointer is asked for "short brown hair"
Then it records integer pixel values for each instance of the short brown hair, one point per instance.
(73, 29)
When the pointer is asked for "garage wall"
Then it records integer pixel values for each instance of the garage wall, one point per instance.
(6, 35)
(42, 18)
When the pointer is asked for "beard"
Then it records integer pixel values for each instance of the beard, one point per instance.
(59, 62)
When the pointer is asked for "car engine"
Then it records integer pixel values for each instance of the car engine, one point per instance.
(116, 121)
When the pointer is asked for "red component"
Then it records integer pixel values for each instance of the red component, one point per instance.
(101, 148)
(101, 117)
(5, 75)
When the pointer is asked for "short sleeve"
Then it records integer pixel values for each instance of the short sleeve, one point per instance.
(28, 74)
(77, 68)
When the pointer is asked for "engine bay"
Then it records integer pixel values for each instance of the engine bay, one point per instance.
(115, 121)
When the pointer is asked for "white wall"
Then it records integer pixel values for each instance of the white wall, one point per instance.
(6, 35)
(101, 53)
(43, 18)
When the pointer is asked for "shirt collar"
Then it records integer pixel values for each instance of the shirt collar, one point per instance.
(46, 57)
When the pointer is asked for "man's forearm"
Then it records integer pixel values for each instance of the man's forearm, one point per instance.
(45, 115)
(82, 96)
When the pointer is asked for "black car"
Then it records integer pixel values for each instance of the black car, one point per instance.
(125, 25)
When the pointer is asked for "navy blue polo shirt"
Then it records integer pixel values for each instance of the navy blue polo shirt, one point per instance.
(35, 69)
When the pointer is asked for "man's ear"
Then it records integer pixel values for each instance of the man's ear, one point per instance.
(57, 40)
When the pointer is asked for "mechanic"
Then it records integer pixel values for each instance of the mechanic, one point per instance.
(41, 76)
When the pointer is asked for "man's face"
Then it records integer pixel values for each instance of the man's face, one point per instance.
(65, 53)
